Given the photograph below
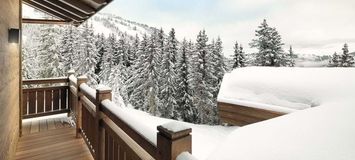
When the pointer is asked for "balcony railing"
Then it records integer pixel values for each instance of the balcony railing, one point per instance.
(107, 135)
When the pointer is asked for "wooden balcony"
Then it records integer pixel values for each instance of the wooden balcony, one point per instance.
(99, 132)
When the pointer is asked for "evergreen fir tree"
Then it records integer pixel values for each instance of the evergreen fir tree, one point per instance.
(137, 83)
(202, 96)
(335, 60)
(168, 87)
(88, 53)
(107, 59)
(347, 60)
(48, 54)
(68, 48)
(269, 44)
(291, 58)
(184, 100)
(239, 56)
(100, 45)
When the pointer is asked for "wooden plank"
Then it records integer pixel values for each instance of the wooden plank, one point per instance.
(40, 101)
(45, 88)
(63, 98)
(58, 10)
(45, 80)
(56, 100)
(48, 100)
(24, 103)
(32, 102)
(80, 6)
(61, 144)
(44, 21)
(68, 8)
(243, 115)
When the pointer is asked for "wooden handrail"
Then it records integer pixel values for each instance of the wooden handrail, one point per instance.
(109, 136)
(45, 81)
(137, 137)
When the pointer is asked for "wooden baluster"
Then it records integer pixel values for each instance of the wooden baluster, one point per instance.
(81, 80)
(102, 93)
(170, 144)
(70, 95)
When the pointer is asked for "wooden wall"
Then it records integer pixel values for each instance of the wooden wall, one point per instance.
(243, 115)
(9, 79)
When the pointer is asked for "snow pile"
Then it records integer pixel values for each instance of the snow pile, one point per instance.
(175, 127)
(321, 133)
(325, 132)
(205, 139)
(280, 88)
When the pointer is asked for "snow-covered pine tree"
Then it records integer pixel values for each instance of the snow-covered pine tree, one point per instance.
(107, 59)
(185, 106)
(202, 96)
(48, 54)
(239, 56)
(29, 62)
(137, 83)
(100, 45)
(168, 87)
(291, 58)
(68, 48)
(335, 60)
(269, 44)
(155, 49)
(220, 64)
(88, 53)
(347, 60)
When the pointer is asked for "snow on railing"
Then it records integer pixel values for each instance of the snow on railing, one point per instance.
(104, 125)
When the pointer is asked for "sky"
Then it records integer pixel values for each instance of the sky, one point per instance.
(310, 26)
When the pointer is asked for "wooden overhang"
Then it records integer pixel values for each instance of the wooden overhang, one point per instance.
(66, 11)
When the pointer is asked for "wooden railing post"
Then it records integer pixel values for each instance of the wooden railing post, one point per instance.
(172, 142)
(102, 93)
(81, 80)
(70, 97)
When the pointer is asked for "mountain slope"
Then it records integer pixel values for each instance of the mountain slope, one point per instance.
(112, 24)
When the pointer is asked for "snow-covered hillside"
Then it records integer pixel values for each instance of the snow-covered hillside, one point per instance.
(112, 24)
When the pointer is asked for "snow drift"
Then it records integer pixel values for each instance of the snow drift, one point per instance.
(286, 89)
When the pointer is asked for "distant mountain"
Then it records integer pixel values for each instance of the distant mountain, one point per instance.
(112, 24)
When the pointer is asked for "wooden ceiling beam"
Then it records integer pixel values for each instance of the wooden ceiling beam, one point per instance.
(68, 8)
(58, 10)
(101, 2)
(44, 21)
(77, 4)
(43, 9)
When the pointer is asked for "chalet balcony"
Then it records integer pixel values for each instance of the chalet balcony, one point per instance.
(90, 128)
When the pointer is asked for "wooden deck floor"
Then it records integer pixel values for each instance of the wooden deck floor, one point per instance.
(50, 139)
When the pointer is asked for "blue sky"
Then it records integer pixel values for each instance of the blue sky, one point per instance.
(310, 26)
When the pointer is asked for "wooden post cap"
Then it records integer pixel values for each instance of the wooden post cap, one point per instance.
(174, 130)
(102, 93)
(70, 72)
